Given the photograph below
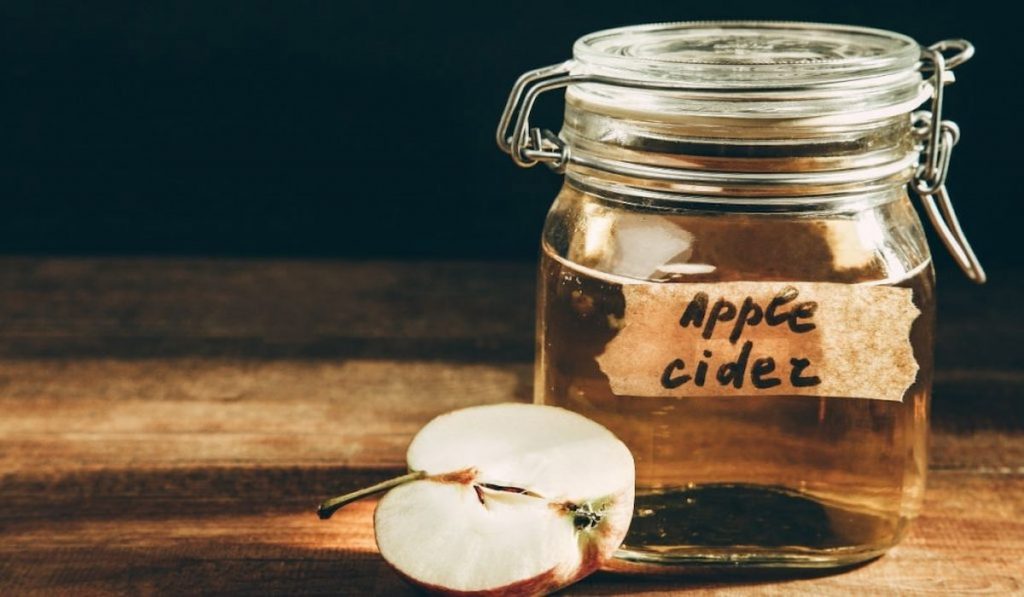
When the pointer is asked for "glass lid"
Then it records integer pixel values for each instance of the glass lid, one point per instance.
(744, 54)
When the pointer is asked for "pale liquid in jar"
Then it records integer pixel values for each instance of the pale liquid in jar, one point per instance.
(786, 479)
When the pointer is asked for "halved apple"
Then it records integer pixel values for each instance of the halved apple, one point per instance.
(510, 499)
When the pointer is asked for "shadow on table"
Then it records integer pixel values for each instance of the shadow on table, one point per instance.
(620, 583)
(224, 530)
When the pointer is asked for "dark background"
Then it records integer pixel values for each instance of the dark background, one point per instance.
(366, 129)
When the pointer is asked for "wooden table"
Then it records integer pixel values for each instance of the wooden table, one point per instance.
(167, 426)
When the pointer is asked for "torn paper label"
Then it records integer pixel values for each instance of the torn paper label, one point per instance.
(763, 338)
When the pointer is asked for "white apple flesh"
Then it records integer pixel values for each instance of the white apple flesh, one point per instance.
(508, 499)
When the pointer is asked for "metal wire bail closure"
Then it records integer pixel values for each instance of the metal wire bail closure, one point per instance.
(941, 136)
(529, 146)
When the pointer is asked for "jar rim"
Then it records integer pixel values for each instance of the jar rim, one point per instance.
(739, 55)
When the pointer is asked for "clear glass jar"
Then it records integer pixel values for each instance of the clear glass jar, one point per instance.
(749, 164)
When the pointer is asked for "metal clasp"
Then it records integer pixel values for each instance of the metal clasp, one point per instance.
(529, 146)
(941, 136)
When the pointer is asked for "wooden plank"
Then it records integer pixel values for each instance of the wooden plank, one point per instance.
(62, 415)
(142, 307)
(970, 539)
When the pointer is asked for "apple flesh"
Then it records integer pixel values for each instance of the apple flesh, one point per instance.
(509, 499)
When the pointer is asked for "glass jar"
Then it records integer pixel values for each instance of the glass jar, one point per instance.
(734, 281)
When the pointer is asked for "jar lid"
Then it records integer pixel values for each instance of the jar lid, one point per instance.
(832, 74)
(746, 54)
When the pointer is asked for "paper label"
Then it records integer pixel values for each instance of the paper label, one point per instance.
(763, 338)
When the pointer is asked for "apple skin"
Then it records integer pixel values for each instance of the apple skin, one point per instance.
(548, 582)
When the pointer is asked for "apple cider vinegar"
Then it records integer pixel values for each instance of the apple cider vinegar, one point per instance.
(734, 281)
(786, 478)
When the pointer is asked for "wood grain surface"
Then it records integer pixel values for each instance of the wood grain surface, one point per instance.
(167, 426)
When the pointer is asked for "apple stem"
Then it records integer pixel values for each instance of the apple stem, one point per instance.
(329, 507)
